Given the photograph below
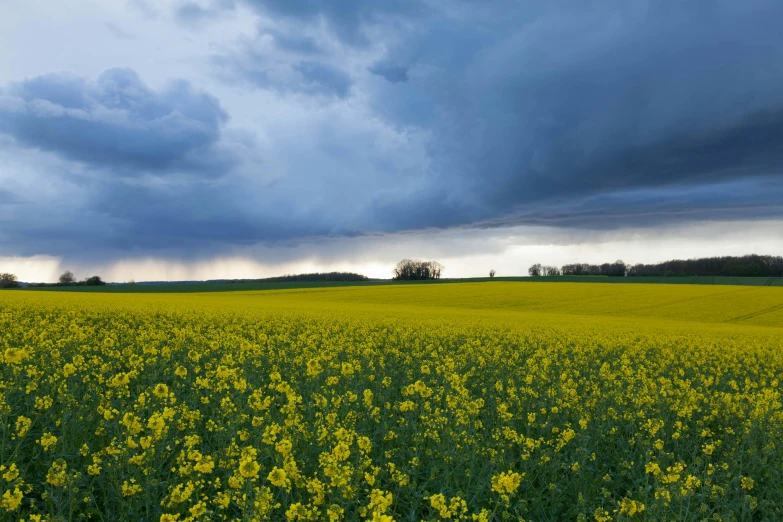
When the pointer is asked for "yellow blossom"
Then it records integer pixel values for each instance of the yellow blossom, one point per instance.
(506, 482)
(11, 499)
(47, 441)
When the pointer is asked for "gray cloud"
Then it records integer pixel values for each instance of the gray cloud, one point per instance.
(384, 117)
(550, 106)
(115, 121)
(748, 199)
(324, 78)
(194, 13)
(347, 18)
(253, 64)
(7, 197)
(393, 73)
(118, 32)
(294, 42)
(530, 104)
(144, 7)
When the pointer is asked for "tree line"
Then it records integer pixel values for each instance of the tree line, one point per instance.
(618, 268)
(742, 266)
(66, 279)
(729, 266)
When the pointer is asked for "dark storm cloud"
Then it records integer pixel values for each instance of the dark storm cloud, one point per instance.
(534, 107)
(408, 115)
(115, 121)
(530, 103)
(749, 199)
(155, 217)
(746, 149)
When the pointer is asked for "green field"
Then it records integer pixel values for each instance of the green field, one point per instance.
(232, 287)
(179, 288)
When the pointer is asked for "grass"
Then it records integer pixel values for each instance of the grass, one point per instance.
(178, 288)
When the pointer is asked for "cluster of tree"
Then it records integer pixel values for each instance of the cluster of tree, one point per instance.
(740, 266)
(325, 276)
(543, 270)
(68, 279)
(416, 270)
(616, 269)
(8, 281)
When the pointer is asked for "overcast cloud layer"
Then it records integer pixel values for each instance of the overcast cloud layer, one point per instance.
(184, 130)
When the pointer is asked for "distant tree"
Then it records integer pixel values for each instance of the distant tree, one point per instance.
(330, 276)
(744, 266)
(635, 270)
(550, 271)
(574, 269)
(93, 281)
(616, 269)
(435, 269)
(67, 278)
(580, 269)
(416, 270)
(492, 273)
(535, 270)
(619, 268)
(8, 281)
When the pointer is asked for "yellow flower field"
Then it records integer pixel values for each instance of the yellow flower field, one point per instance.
(486, 401)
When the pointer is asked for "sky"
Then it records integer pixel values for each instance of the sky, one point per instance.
(204, 139)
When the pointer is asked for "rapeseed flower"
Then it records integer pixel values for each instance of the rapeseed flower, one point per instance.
(322, 405)
(11, 499)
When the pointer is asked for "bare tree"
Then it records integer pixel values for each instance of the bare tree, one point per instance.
(67, 278)
(8, 281)
(535, 270)
(550, 271)
(492, 273)
(404, 269)
(414, 269)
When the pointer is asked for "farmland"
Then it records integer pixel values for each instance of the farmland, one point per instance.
(471, 401)
(217, 286)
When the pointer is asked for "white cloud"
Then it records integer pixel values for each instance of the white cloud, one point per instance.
(32, 269)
